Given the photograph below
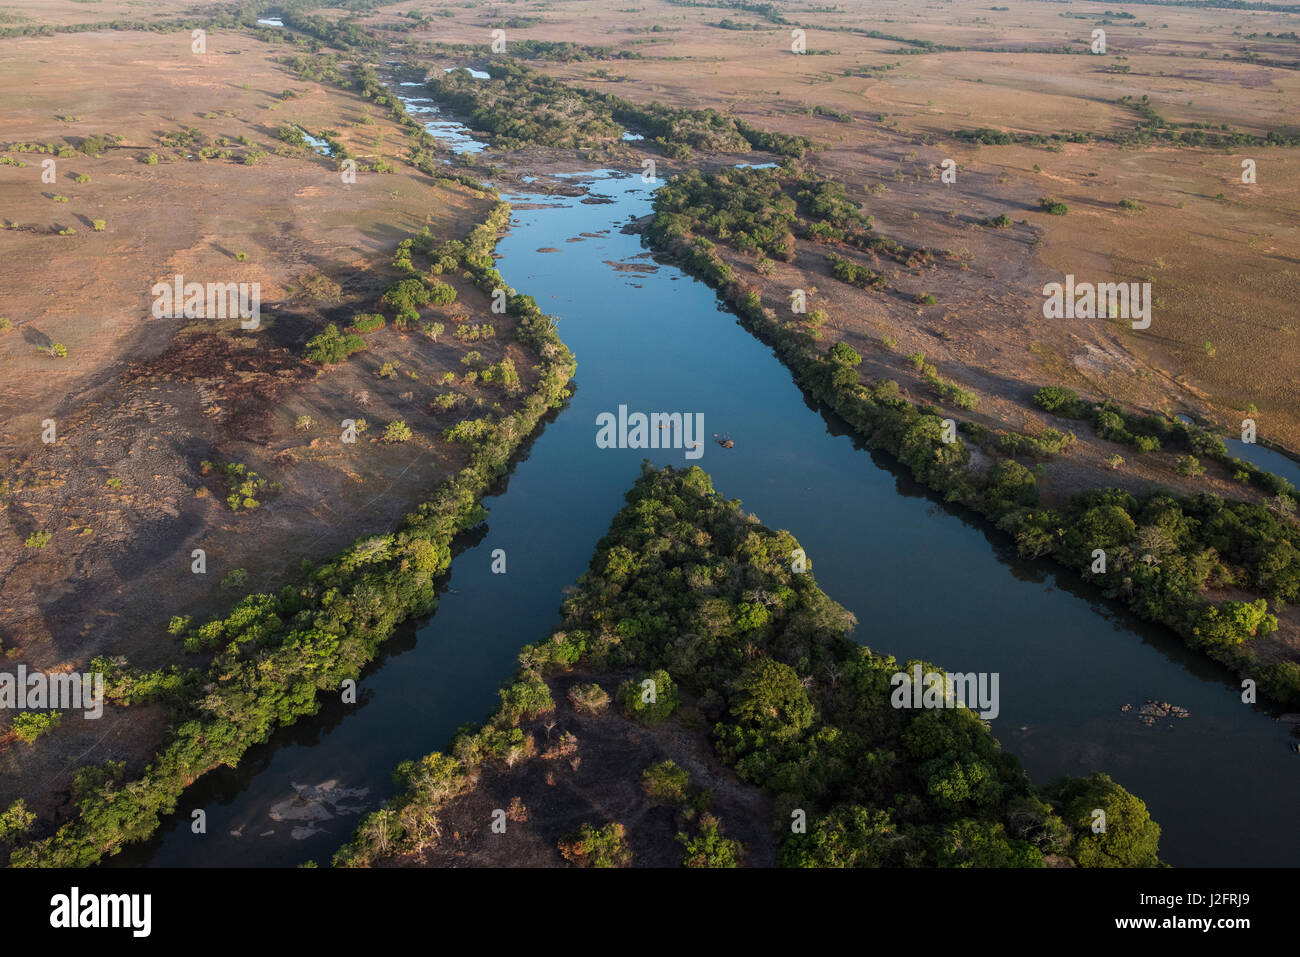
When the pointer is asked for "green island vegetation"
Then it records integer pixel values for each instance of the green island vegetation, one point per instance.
(1206, 542)
(521, 107)
(762, 211)
(554, 51)
(269, 658)
(690, 592)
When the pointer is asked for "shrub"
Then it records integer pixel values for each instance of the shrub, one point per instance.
(397, 431)
(332, 347)
(98, 225)
(30, 725)
(666, 783)
(1053, 207)
(59, 350)
(441, 294)
(649, 699)
(708, 848)
(6, 324)
(596, 847)
(237, 578)
(367, 322)
(588, 698)
(16, 822)
(38, 539)
(843, 352)
(1060, 401)
(1188, 465)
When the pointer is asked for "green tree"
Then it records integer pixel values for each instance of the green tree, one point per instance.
(769, 696)
(1130, 838)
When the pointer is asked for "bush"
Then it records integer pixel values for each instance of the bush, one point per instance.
(367, 322)
(397, 431)
(588, 698)
(1053, 207)
(843, 352)
(649, 699)
(16, 822)
(98, 225)
(237, 578)
(708, 848)
(1060, 401)
(30, 725)
(596, 847)
(332, 347)
(441, 294)
(1188, 465)
(666, 783)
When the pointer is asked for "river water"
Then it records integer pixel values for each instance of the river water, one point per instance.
(923, 580)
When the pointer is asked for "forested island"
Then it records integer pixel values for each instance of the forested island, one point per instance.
(703, 685)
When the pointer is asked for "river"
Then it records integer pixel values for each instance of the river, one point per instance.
(923, 580)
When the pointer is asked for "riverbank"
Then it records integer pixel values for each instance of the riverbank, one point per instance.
(279, 653)
(1094, 531)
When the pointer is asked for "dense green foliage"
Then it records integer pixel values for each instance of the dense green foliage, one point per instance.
(331, 346)
(744, 207)
(687, 587)
(521, 107)
(590, 846)
(760, 211)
